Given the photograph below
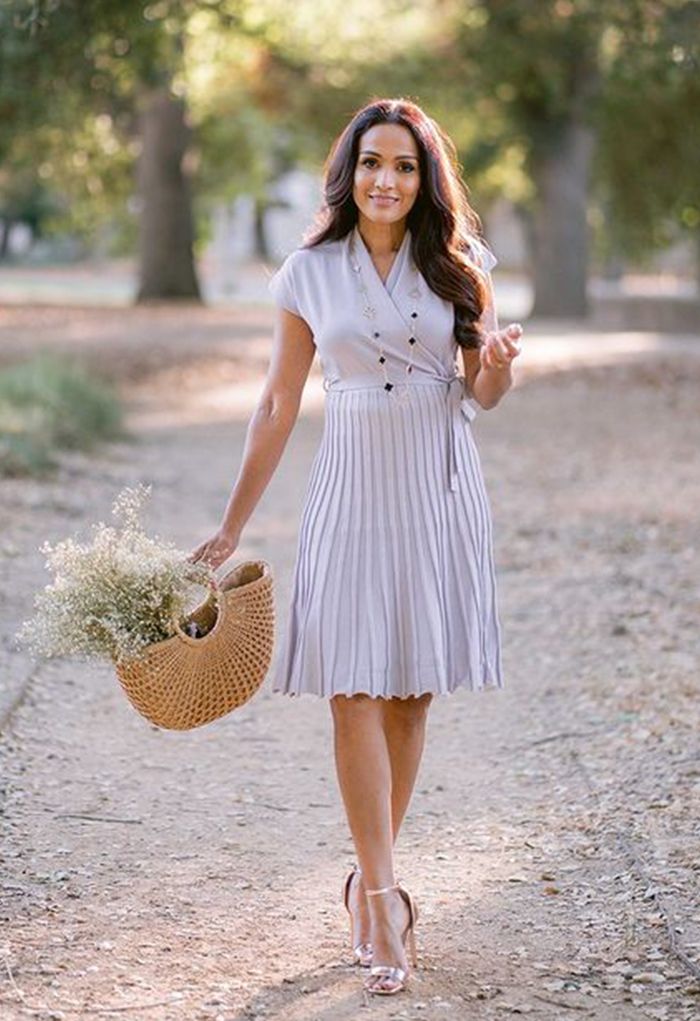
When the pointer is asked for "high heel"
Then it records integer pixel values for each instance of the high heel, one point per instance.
(362, 952)
(392, 973)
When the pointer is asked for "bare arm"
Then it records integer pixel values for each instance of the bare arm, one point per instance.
(488, 369)
(268, 431)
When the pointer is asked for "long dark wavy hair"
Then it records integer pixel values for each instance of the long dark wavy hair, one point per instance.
(441, 220)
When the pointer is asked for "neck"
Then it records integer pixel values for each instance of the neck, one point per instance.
(380, 238)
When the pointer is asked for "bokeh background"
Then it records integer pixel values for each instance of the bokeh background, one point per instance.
(157, 161)
(170, 145)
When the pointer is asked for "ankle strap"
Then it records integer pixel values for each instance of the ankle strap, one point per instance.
(384, 889)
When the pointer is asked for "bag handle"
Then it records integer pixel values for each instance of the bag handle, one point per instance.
(217, 591)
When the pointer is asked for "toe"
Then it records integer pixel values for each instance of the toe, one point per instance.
(387, 985)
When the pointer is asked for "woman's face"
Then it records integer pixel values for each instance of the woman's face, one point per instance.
(387, 173)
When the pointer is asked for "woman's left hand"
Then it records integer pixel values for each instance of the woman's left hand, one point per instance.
(500, 348)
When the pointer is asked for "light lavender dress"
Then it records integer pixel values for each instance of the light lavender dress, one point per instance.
(393, 589)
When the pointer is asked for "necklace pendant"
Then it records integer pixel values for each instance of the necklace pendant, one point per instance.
(369, 312)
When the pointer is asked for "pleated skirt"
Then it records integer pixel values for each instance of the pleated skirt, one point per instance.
(393, 588)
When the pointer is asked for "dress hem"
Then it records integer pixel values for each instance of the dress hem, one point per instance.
(291, 693)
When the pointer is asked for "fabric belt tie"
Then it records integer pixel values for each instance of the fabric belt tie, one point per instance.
(457, 406)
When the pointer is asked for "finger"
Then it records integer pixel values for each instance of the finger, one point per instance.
(495, 353)
(490, 354)
(203, 553)
(511, 334)
(493, 360)
(500, 352)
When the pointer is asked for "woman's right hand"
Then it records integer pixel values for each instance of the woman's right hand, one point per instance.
(216, 550)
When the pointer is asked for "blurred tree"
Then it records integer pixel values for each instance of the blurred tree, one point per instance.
(647, 163)
(120, 60)
(241, 147)
(268, 85)
(23, 199)
(561, 106)
(586, 91)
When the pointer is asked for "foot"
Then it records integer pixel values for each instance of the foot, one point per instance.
(391, 918)
(360, 919)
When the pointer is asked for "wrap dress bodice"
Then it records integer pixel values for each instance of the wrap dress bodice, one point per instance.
(320, 284)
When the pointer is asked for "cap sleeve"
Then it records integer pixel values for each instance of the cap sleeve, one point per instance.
(482, 255)
(282, 286)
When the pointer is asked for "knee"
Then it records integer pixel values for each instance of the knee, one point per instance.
(408, 714)
(351, 711)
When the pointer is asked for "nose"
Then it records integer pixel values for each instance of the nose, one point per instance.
(385, 178)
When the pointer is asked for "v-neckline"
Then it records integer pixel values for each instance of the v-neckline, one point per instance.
(394, 269)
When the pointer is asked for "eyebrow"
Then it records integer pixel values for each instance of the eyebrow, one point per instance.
(372, 152)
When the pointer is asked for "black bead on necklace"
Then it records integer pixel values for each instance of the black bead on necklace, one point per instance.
(370, 313)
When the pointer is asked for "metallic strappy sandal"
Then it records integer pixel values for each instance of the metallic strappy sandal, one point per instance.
(362, 952)
(391, 973)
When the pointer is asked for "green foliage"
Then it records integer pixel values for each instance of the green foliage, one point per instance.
(648, 155)
(268, 83)
(49, 404)
(626, 68)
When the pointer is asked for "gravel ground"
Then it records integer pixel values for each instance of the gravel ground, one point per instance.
(552, 844)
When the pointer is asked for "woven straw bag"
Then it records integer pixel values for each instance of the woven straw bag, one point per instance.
(183, 682)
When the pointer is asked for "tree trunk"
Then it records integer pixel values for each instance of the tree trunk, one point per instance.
(261, 250)
(5, 228)
(165, 231)
(561, 166)
(559, 226)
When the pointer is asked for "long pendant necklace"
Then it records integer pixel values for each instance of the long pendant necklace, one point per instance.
(370, 313)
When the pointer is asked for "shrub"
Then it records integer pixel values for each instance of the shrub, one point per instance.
(49, 404)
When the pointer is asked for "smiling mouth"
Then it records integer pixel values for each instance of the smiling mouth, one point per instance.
(384, 198)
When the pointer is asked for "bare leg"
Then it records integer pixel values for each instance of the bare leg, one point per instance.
(364, 778)
(404, 725)
(378, 745)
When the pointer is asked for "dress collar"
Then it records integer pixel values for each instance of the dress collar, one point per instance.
(362, 253)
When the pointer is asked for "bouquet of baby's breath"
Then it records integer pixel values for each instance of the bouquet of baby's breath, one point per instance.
(116, 595)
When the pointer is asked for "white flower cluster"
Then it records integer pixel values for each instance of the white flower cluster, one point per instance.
(116, 595)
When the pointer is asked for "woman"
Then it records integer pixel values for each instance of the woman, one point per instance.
(393, 592)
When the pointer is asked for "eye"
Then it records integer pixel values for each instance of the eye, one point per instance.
(367, 160)
(408, 167)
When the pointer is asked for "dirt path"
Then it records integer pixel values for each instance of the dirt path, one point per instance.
(553, 841)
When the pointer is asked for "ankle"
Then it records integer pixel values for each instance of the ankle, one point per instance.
(385, 908)
(381, 891)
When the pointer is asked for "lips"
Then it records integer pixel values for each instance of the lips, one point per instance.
(384, 200)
